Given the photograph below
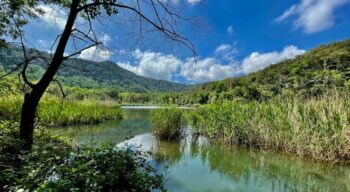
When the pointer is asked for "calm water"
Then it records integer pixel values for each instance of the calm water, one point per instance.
(195, 164)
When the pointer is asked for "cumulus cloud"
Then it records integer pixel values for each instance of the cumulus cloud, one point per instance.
(153, 64)
(313, 15)
(226, 52)
(96, 53)
(208, 69)
(222, 48)
(167, 66)
(257, 61)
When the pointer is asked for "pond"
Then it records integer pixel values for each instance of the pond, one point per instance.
(196, 164)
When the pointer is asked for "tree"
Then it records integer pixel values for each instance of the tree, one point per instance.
(16, 13)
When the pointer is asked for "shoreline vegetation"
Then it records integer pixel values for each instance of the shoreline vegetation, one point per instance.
(53, 112)
(317, 128)
(168, 123)
(54, 164)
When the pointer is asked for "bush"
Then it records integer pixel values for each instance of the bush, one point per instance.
(53, 165)
(95, 169)
(167, 123)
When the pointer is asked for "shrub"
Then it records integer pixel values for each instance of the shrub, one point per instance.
(167, 123)
(53, 165)
(95, 169)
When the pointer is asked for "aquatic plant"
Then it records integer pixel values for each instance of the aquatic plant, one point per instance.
(167, 123)
(317, 127)
(53, 111)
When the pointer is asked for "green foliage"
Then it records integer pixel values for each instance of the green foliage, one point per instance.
(14, 15)
(96, 169)
(53, 165)
(318, 128)
(168, 123)
(57, 112)
(312, 74)
(14, 163)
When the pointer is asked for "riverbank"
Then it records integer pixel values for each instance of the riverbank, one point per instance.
(54, 164)
(194, 162)
(316, 128)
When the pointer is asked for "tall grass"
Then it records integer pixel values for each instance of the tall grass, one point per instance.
(318, 128)
(57, 112)
(167, 123)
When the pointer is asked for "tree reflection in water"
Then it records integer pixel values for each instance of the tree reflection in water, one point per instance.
(246, 167)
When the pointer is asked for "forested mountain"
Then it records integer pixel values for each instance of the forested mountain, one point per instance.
(311, 74)
(90, 74)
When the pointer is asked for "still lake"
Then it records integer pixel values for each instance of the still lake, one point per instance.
(197, 164)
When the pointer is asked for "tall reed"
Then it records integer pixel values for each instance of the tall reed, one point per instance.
(56, 112)
(318, 128)
(167, 123)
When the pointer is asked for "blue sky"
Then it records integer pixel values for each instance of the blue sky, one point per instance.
(231, 37)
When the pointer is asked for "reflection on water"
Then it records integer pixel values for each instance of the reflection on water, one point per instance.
(195, 164)
(134, 122)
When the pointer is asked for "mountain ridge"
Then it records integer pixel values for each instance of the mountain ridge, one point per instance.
(90, 74)
(313, 73)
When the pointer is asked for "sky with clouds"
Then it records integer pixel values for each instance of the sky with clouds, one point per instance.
(232, 38)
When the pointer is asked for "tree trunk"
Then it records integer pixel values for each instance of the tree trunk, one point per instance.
(32, 99)
(28, 119)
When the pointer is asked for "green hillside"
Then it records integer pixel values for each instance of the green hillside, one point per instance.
(311, 74)
(90, 74)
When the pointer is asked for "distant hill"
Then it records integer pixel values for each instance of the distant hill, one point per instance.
(313, 73)
(91, 74)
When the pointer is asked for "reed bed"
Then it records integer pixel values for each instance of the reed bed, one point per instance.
(318, 128)
(167, 123)
(57, 112)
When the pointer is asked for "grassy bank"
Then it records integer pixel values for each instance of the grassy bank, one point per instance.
(54, 165)
(57, 112)
(317, 128)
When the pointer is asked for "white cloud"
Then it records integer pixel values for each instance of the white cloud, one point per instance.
(257, 61)
(193, 1)
(165, 67)
(230, 29)
(313, 15)
(226, 52)
(222, 48)
(95, 54)
(208, 69)
(53, 16)
(154, 65)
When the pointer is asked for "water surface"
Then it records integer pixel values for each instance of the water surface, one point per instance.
(196, 164)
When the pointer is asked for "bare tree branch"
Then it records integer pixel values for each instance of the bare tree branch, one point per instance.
(61, 87)
(79, 52)
(170, 33)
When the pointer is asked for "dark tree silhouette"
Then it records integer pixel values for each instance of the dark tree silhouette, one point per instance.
(16, 13)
